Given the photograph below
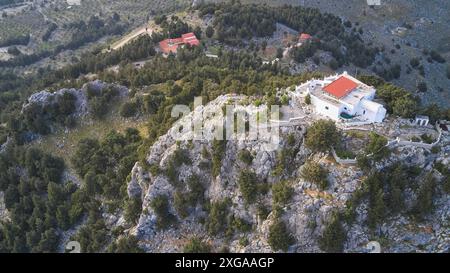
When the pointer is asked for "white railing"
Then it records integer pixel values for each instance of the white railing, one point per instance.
(421, 144)
(393, 142)
(347, 161)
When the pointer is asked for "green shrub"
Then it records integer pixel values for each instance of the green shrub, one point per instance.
(98, 107)
(282, 192)
(308, 99)
(285, 162)
(333, 237)
(377, 208)
(427, 138)
(322, 136)
(179, 203)
(284, 100)
(424, 203)
(436, 56)
(155, 170)
(243, 241)
(217, 219)
(181, 156)
(364, 163)
(160, 204)
(290, 140)
(436, 149)
(345, 154)
(248, 186)
(262, 211)
(128, 109)
(133, 209)
(241, 225)
(125, 244)
(399, 101)
(196, 245)
(446, 184)
(196, 193)
(279, 236)
(218, 151)
(377, 147)
(205, 153)
(314, 172)
(172, 174)
(246, 157)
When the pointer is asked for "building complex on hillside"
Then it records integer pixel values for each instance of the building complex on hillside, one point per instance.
(171, 45)
(343, 98)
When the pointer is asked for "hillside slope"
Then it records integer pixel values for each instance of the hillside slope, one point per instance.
(226, 216)
(423, 26)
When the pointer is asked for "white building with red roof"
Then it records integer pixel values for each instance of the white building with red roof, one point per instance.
(343, 98)
(171, 45)
(304, 37)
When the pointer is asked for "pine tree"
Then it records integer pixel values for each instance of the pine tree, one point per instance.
(279, 236)
(333, 237)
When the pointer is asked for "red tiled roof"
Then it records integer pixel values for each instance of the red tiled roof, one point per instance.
(188, 35)
(171, 45)
(168, 46)
(190, 38)
(340, 87)
(305, 36)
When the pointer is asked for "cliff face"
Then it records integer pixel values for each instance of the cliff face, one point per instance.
(305, 215)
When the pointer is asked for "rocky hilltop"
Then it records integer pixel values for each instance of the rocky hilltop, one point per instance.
(176, 170)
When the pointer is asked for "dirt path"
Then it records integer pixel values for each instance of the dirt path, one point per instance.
(134, 34)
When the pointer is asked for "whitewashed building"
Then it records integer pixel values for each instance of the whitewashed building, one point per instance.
(343, 98)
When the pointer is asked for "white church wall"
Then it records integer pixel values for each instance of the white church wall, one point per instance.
(327, 109)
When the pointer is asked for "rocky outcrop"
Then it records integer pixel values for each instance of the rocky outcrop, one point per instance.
(306, 214)
(4, 214)
(46, 97)
(5, 145)
(138, 183)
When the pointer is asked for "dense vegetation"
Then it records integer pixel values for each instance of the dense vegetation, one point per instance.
(334, 236)
(104, 166)
(248, 185)
(285, 164)
(38, 117)
(196, 245)
(398, 101)
(279, 236)
(82, 33)
(40, 204)
(23, 39)
(314, 172)
(322, 136)
(282, 193)
(234, 22)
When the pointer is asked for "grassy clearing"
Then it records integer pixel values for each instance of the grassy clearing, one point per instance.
(63, 143)
(357, 134)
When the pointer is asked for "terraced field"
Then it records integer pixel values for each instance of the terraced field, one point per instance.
(36, 19)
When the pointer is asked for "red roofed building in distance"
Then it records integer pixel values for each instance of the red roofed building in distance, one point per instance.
(305, 37)
(171, 45)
